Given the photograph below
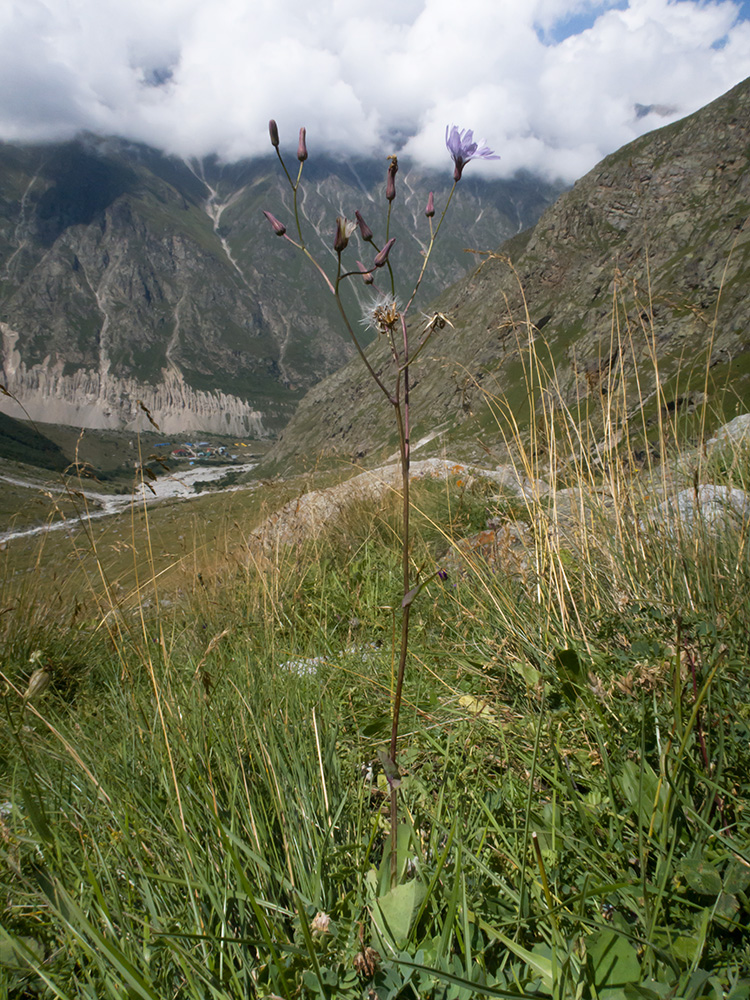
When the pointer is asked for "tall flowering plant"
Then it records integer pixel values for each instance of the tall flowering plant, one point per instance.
(388, 315)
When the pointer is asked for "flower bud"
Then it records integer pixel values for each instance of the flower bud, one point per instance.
(382, 257)
(302, 147)
(430, 210)
(364, 230)
(278, 227)
(390, 184)
(273, 131)
(344, 229)
(366, 276)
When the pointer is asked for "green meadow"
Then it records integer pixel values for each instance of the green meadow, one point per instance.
(195, 808)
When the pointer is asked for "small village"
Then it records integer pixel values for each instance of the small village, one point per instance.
(203, 451)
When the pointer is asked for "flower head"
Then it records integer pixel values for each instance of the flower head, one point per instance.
(344, 229)
(462, 148)
(273, 131)
(320, 923)
(430, 210)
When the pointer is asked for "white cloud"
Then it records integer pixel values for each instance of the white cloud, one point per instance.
(201, 76)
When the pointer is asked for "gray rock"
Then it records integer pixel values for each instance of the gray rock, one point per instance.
(737, 431)
(710, 505)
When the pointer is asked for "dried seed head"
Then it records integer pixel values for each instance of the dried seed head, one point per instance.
(383, 315)
(320, 923)
(39, 681)
(367, 962)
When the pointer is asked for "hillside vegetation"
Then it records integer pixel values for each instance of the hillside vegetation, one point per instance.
(194, 806)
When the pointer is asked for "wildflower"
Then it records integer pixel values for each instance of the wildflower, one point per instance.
(442, 575)
(366, 276)
(344, 229)
(273, 131)
(382, 257)
(320, 923)
(364, 230)
(302, 147)
(390, 184)
(430, 210)
(278, 227)
(462, 148)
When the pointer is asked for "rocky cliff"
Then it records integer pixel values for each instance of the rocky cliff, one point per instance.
(636, 277)
(126, 275)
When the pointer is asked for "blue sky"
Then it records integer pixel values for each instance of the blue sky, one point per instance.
(551, 85)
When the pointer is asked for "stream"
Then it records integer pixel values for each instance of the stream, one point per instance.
(177, 485)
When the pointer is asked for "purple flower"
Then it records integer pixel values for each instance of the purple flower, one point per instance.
(273, 131)
(430, 210)
(462, 148)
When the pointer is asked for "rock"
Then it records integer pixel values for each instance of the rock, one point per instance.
(737, 431)
(308, 515)
(710, 505)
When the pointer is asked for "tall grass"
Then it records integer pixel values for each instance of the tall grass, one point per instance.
(195, 807)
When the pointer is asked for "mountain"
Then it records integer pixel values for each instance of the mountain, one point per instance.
(130, 280)
(642, 267)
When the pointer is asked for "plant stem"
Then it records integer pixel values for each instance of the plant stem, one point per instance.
(402, 419)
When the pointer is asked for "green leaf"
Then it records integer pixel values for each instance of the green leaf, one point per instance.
(527, 672)
(726, 906)
(11, 952)
(612, 960)
(392, 772)
(399, 908)
(702, 877)
(570, 673)
(541, 965)
(35, 812)
(736, 876)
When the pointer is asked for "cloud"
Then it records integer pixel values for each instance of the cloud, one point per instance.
(552, 85)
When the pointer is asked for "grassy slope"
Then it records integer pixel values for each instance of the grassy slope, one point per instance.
(192, 792)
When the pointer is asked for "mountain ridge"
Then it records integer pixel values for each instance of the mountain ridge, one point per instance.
(654, 239)
(128, 275)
